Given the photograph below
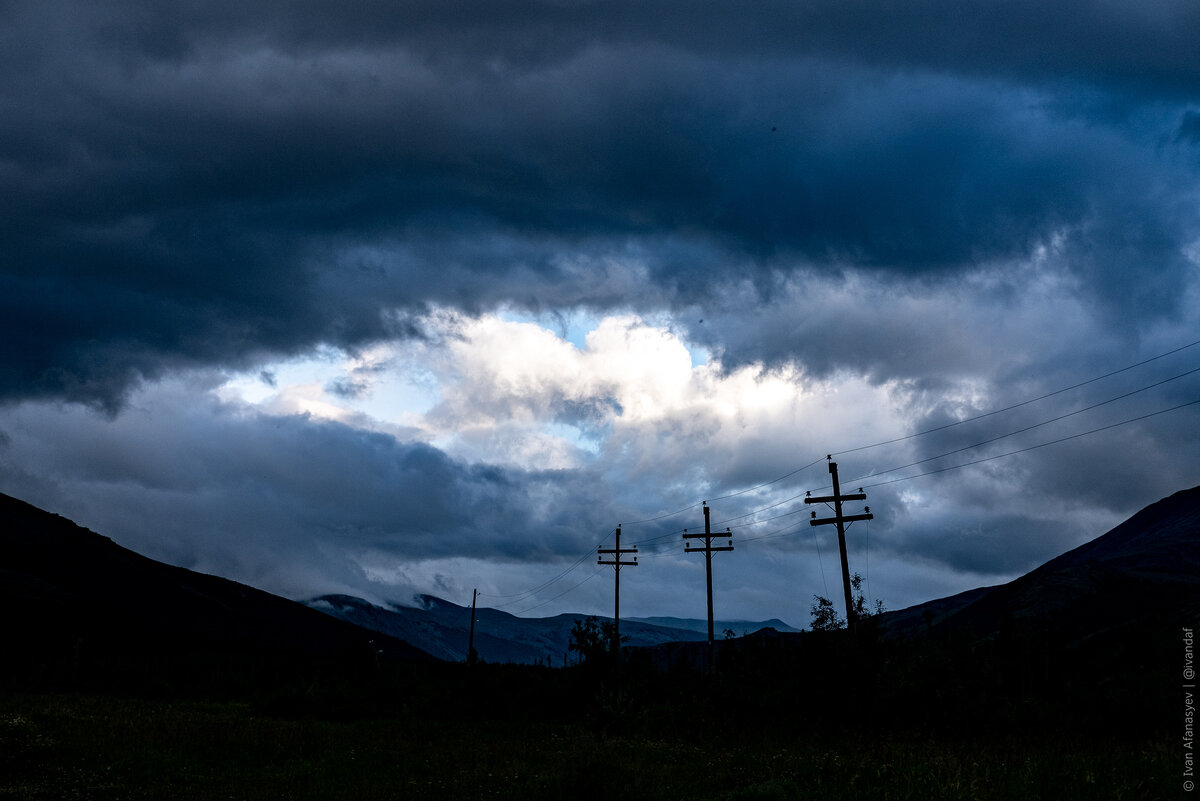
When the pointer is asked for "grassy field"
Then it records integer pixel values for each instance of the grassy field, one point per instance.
(64, 746)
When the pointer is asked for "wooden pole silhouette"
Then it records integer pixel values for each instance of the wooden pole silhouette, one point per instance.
(471, 656)
(617, 564)
(708, 551)
(839, 519)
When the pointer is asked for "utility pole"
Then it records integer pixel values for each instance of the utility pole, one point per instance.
(617, 564)
(708, 551)
(471, 656)
(839, 519)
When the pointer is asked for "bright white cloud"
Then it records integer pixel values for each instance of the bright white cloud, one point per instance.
(634, 387)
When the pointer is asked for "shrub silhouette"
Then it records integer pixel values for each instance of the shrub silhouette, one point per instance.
(825, 617)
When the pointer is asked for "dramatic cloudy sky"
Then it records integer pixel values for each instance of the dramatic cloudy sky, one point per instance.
(391, 297)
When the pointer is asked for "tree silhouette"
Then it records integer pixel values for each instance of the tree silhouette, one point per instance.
(593, 639)
(861, 610)
(825, 617)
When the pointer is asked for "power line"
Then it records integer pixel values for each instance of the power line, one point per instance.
(561, 594)
(1031, 447)
(585, 556)
(949, 453)
(781, 532)
(943, 428)
(1022, 403)
(820, 561)
(928, 473)
(521, 595)
(905, 478)
(1030, 427)
(741, 492)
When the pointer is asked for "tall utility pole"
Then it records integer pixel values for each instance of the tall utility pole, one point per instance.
(617, 564)
(837, 498)
(708, 551)
(471, 657)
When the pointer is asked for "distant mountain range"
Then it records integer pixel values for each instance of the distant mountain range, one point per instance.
(443, 629)
(76, 600)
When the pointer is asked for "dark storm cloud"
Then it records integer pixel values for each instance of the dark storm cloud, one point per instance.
(1147, 42)
(189, 185)
(1189, 126)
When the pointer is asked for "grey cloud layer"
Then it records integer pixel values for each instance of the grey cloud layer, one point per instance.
(216, 184)
(291, 503)
(301, 507)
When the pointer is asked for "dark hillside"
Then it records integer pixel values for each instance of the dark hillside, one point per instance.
(1143, 573)
(78, 604)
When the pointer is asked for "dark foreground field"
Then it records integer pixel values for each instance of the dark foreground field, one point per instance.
(815, 718)
(89, 747)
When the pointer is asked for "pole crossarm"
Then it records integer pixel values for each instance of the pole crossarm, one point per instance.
(727, 534)
(857, 496)
(824, 521)
(617, 560)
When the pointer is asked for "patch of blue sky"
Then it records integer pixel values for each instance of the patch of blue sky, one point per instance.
(256, 386)
(391, 395)
(574, 325)
(394, 397)
(570, 325)
(573, 435)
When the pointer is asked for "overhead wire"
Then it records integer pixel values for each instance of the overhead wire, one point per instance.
(519, 596)
(723, 497)
(866, 486)
(820, 561)
(561, 575)
(1022, 403)
(1030, 427)
(906, 478)
(947, 426)
(1031, 447)
(967, 464)
(561, 594)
